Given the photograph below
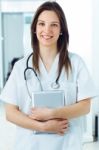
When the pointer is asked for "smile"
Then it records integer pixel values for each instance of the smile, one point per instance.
(47, 37)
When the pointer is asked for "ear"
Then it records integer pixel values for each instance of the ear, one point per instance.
(60, 33)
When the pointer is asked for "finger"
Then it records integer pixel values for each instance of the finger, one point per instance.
(64, 130)
(33, 109)
(62, 119)
(65, 126)
(64, 122)
(61, 133)
(31, 116)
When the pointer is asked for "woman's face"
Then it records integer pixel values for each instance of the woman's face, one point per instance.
(48, 29)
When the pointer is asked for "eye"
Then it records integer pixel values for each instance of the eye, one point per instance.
(54, 25)
(41, 23)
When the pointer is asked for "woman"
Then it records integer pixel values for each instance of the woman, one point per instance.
(52, 63)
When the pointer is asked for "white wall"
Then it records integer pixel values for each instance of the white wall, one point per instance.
(20, 5)
(79, 18)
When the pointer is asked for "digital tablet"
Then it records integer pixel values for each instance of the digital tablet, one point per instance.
(51, 99)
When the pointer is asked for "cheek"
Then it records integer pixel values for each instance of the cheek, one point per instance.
(57, 32)
(37, 30)
(57, 35)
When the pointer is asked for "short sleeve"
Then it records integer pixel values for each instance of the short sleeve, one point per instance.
(85, 85)
(9, 93)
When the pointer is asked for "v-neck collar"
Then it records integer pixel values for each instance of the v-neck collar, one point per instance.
(53, 70)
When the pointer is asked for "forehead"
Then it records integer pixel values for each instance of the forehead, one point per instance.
(48, 16)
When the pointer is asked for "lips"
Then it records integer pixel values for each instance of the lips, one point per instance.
(46, 37)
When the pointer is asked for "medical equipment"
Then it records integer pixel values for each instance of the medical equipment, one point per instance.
(54, 85)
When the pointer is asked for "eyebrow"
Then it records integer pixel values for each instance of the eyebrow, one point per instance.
(50, 22)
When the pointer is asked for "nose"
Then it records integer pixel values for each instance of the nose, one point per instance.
(47, 28)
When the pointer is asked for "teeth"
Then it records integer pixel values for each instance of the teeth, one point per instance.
(46, 36)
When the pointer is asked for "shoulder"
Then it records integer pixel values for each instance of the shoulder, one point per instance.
(77, 62)
(22, 61)
(76, 59)
(21, 64)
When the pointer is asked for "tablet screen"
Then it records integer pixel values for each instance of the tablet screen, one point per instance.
(52, 99)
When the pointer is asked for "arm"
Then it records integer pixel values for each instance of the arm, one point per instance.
(14, 115)
(66, 112)
(73, 111)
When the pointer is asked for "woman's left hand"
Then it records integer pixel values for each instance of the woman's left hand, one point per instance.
(41, 114)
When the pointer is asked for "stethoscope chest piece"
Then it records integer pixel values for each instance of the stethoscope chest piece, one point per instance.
(55, 85)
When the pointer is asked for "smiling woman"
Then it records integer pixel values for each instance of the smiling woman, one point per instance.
(52, 62)
(48, 29)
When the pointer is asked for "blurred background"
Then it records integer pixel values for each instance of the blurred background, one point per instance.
(83, 23)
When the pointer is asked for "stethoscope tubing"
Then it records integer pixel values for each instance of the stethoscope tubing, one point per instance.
(54, 85)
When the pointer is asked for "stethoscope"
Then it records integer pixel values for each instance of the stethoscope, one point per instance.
(54, 85)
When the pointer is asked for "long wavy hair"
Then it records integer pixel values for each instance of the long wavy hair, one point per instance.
(63, 40)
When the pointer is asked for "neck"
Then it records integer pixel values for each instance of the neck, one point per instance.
(48, 56)
(48, 53)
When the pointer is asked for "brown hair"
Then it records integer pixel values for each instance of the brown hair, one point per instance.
(62, 43)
